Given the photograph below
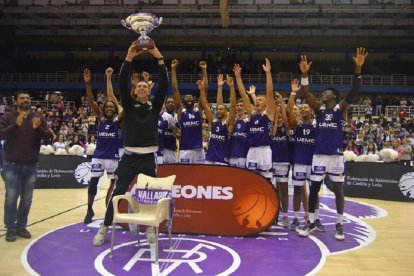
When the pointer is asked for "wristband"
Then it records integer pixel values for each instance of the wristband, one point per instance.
(304, 81)
(293, 93)
(160, 58)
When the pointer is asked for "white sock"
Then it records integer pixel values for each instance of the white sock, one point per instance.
(312, 217)
(316, 213)
(284, 214)
(339, 218)
(296, 214)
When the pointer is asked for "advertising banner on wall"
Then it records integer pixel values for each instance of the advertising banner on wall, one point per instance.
(63, 171)
(219, 200)
(388, 181)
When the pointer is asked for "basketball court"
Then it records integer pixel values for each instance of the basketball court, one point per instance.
(62, 244)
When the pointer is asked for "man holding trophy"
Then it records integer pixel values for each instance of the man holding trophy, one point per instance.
(141, 117)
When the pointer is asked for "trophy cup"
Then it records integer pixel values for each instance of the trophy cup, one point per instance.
(142, 23)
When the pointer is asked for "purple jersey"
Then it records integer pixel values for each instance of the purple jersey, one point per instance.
(162, 126)
(279, 146)
(219, 144)
(329, 135)
(238, 140)
(168, 138)
(190, 125)
(304, 144)
(108, 136)
(260, 128)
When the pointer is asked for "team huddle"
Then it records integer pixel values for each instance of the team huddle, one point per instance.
(257, 132)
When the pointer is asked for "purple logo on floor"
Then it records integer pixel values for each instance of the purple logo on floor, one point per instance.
(69, 250)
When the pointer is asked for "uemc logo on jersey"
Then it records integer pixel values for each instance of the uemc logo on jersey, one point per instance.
(189, 256)
(103, 134)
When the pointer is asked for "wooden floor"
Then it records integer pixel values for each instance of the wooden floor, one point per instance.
(390, 254)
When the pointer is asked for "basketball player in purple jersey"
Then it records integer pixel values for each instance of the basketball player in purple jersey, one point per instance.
(328, 157)
(259, 156)
(304, 129)
(221, 127)
(190, 120)
(238, 140)
(280, 156)
(108, 134)
(171, 133)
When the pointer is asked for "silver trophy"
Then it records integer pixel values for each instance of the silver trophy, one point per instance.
(142, 23)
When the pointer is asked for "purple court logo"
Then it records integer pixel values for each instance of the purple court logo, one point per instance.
(69, 250)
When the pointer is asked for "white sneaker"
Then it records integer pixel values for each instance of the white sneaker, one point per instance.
(150, 234)
(339, 232)
(99, 238)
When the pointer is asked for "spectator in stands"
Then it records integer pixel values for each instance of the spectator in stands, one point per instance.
(22, 130)
(371, 148)
(378, 105)
(407, 152)
(368, 112)
(401, 114)
(100, 97)
(76, 141)
(411, 139)
(396, 145)
(403, 102)
(60, 145)
(352, 147)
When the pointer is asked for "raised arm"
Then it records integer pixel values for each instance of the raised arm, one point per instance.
(220, 83)
(110, 90)
(204, 103)
(270, 101)
(134, 82)
(161, 93)
(89, 95)
(282, 108)
(304, 67)
(203, 66)
(124, 92)
(176, 93)
(359, 60)
(242, 91)
(293, 120)
(232, 111)
(252, 92)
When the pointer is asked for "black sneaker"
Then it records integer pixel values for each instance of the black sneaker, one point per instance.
(319, 226)
(88, 217)
(10, 236)
(307, 229)
(295, 224)
(23, 233)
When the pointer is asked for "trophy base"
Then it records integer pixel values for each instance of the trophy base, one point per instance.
(145, 44)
